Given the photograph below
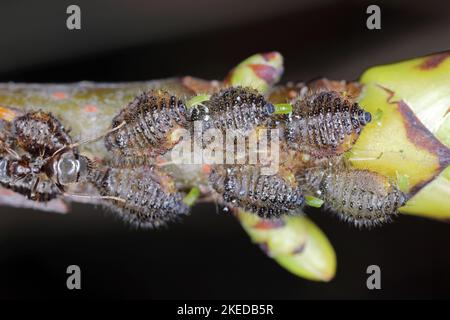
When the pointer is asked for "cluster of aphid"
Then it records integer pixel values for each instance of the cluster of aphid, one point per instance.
(38, 158)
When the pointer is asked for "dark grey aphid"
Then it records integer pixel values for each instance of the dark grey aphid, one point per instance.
(268, 196)
(360, 197)
(38, 159)
(148, 123)
(325, 124)
(16, 175)
(149, 198)
(39, 133)
(235, 108)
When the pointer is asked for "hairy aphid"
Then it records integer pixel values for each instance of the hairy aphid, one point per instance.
(235, 108)
(39, 133)
(17, 175)
(149, 123)
(41, 160)
(38, 158)
(149, 197)
(360, 197)
(325, 124)
(268, 196)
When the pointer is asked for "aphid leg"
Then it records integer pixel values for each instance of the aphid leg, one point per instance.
(34, 188)
(216, 206)
(16, 179)
(60, 187)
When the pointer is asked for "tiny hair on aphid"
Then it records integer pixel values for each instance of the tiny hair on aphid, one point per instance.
(39, 133)
(38, 158)
(234, 108)
(268, 196)
(360, 197)
(325, 124)
(13, 176)
(149, 122)
(149, 198)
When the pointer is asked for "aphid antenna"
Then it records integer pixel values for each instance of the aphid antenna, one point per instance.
(165, 163)
(85, 196)
(82, 142)
(378, 154)
(79, 143)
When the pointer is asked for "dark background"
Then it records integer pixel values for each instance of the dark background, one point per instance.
(209, 255)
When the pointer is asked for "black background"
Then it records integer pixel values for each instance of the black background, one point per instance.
(209, 255)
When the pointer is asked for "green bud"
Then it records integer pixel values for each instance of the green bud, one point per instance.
(260, 71)
(196, 100)
(295, 243)
(313, 201)
(192, 196)
(283, 108)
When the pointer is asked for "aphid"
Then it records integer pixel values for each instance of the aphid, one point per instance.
(38, 158)
(16, 175)
(48, 161)
(39, 133)
(325, 124)
(149, 123)
(268, 196)
(150, 198)
(235, 108)
(360, 197)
